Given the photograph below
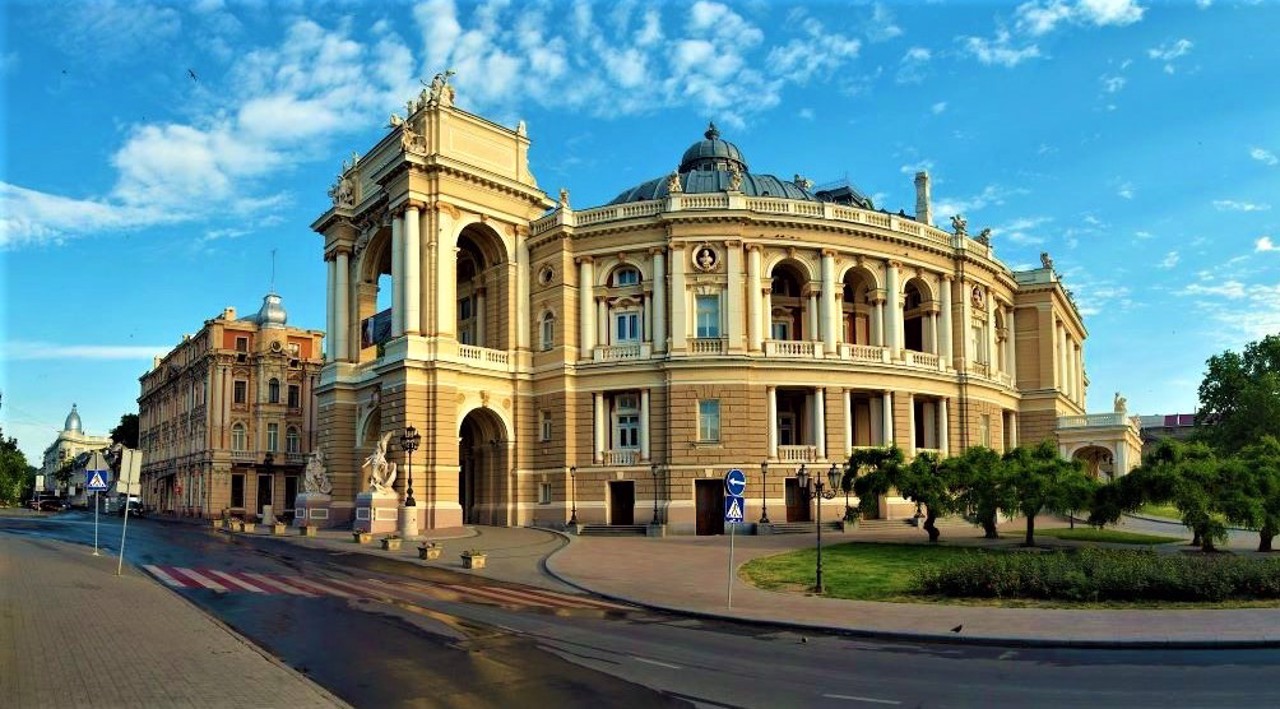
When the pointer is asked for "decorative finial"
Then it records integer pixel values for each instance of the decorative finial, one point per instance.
(712, 133)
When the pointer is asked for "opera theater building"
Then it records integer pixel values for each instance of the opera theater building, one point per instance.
(607, 364)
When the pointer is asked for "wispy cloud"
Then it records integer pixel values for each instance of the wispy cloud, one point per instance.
(914, 66)
(1000, 50)
(1039, 18)
(938, 107)
(1022, 231)
(912, 168)
(1112, 84)
(990, 195)
(47, 351)
(1231, 289)
(1231, 205)
(1168, 52)
(1263, 155)
(882, 26)
(1170, 260)
(1125, 190)
(1264, 244)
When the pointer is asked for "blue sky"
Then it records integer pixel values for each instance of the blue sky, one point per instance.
(156, 153)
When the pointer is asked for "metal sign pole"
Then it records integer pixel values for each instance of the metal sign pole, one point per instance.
(733, 526)
(95, 523)
(124, 528)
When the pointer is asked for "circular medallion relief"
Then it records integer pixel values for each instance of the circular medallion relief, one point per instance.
(705, 258)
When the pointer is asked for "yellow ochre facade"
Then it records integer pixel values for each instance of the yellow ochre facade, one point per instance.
(616, 361)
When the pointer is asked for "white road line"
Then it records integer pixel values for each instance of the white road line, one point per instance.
(655, 662)
(232, 579)
(160, 574)
(272, 583)
(200, 578)
(576, 601)
(322, 588)
(502, 596)
(869, 700)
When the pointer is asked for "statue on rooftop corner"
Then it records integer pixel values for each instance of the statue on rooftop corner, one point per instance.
(382, 473)
(439, 90)
(564, 198)
(960, 225)
(1120, 404)
(984, 237)
(673, 183)
(802, 182)
(1045, 261)
(735, 179)
(343, 192)
(317, 478)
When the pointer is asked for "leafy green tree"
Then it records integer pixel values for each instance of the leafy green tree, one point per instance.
(15, 475)
(921, 481)
(1192, 478)
(126, 432)
(974, 477)
(1252, 490)
(1036, 480)
(1240, 396)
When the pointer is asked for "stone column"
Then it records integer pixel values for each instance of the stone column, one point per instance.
(659, 333)
(446, 286)
(944, 428)
(644, 424)
(993, 362)
(330, 304)
(828, 311)
(755, 299)
(1120, 464)
(1013, 430)
(771, 410)
(811, 316)
(929, 333)
(946, 353)
(586, 309)
(893, 319)
(523, 305)
(967, 345)
(820, 421)
(480, 316)
(412, 271)
(599, 415)
(848, 423)
(910, 433)
(679, 300)
(397, 275)
(877, 324)
(342, 309)
(735, 310)
(886, 411)
(1011, 346)
(602, 323)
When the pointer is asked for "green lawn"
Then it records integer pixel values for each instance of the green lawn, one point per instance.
(1165, 511)
(1114, 536)
(865, 572)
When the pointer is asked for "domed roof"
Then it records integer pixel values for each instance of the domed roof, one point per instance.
(271, 314)
(72, 424)
(711, 153)
(709, 166)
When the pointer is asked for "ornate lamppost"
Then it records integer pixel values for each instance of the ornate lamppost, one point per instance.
(653, 470)
(409, 443)
(764, 492)
(824, 492)
(573, 493)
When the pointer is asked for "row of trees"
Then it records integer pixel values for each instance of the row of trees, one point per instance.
(978, 484)
(16, 476)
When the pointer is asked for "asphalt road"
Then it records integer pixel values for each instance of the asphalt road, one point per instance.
(379, 633)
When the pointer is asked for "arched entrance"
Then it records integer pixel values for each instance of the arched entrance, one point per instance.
(484, 477)
(1098, 462)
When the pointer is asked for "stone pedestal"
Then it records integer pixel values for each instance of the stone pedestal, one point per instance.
(312, 510)
(376, 512)
(268, 515)
(409, 522)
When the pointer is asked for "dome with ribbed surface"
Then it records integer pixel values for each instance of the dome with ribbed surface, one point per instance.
(72, 424)
(711, 153)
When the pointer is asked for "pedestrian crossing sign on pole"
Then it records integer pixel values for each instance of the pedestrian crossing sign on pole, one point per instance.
(95, 480)
(734, 508)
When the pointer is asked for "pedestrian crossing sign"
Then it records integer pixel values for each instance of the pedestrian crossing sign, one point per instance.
(734, 507)
(95, 480)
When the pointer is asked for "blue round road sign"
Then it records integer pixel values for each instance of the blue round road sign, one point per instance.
(735, 482)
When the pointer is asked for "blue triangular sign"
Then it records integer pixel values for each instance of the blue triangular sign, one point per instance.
(96, 481)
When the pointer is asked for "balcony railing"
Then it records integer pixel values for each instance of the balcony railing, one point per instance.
(1112, 419)
(622, 456)
(863, 353)
(707, 345)
(244, 456)
(792, 348)
(923, 359)
(797, 454)
(980, 369)
(484, 357)
(614, 353)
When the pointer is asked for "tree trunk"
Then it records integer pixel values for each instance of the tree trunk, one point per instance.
(1031, 531)
(931, 528)
(1265, 535)
(1195, 538)
(989, 529)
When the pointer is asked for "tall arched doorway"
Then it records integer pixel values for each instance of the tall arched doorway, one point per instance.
(484, 470)
(1098, 462)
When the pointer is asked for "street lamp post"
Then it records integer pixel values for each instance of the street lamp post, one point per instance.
(573, 493)
(764, 492)
(653, 470)
(824, 492)
(409, 519)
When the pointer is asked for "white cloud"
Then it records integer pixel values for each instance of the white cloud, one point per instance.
(1109, 12)
(1168, 52)
(999, 51)
(913, 67)
(1264, 244)
(1125, 190)
(47, 351)
(881, 26)
(990, 195)
(918, 166)
(1231, 205)
(1263, 155)
(1144, 235)
(1022, 231)
(1231, 289)
(111, 30)
(1112, 84)
(938, 107)
(805, 113)
(1039, 18)
(1204, 4)
(1170, 260)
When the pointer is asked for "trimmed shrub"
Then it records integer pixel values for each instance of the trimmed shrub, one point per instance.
(1092, 574)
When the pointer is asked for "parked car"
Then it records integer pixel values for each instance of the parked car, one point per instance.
(51, 504)
(135, 507)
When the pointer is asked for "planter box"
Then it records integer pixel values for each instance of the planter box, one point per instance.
(308, 530)
(430, 552)
(235, 525)
(249, 527)
(362, 537)
(279, 528)
(391, 543)
(473, 561)
(217, 523)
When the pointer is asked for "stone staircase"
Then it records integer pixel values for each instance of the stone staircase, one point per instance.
(804, 527)
(614, 530)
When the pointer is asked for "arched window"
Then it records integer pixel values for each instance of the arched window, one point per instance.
(292, 442)
(273, 391)
(547, 331)
(237, 437)
(626, 276)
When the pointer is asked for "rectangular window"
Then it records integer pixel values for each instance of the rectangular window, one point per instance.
(237, 490)
(548, 333)
(781, 330)
(273, 437)
(544, 493)
(291, 441)
(295, 396)
(628, 431)
(709, 420)
(242, 344)
(240, 392)
(544, 422)
(984, 430)
(627, 327)
(464, 309)
(627, 277)
(708, 312)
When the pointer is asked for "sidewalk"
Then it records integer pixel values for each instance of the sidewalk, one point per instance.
(73, 634)
(689, 575)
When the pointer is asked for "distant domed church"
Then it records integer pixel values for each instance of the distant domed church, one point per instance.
(71, 442)
(608, 364)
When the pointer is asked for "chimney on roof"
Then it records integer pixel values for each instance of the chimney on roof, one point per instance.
(924, 210)
(228, 313)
